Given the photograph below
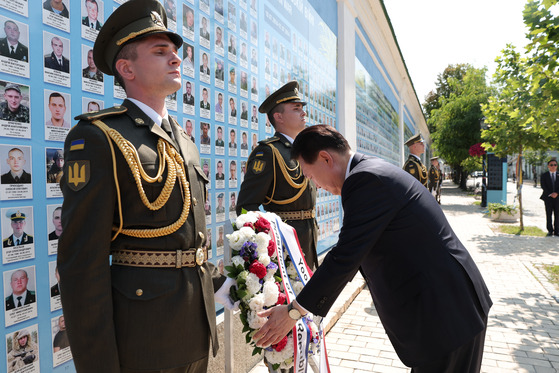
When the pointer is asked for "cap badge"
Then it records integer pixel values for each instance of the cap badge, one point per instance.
(156, 18)
(296, 90)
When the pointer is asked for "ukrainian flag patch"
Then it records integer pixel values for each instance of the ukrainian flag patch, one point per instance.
(259, 154)
(77, 144)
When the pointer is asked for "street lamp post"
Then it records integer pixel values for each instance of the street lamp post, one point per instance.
(483, 126)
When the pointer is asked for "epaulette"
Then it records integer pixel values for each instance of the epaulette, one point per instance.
(269, 140)
(91, 116)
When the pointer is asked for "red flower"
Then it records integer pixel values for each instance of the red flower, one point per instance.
(477, 150)
(262, 225)
(280, 345)
(271, 248)
(249, 224)
(281, 299)
(258, 269)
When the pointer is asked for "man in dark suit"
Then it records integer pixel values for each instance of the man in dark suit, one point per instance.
(16, 175)
(427, 290)
(20, 294)
(56, 60)
(550, 185)
(10, 45)
(92, 13)
(114, 312)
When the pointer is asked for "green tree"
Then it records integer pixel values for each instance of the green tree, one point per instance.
(509, 113)
(456, 121)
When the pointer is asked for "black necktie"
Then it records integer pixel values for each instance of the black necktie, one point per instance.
(19, 301)
(16, 179)
(17, 242)
(13, 50)
(167, 127)
(553, 180)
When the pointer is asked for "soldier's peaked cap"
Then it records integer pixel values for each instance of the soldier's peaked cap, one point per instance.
(131, 21)
(414, 139)
(288, 93)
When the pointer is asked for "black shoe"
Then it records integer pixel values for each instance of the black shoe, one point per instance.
(549, 235)
(557, 235)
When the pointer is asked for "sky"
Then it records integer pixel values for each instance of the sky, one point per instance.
(435, 33)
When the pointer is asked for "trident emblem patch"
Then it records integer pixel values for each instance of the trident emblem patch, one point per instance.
(78, 174)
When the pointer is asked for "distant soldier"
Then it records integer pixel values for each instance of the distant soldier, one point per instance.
(413, 165)
(12, 109)
(435, 179)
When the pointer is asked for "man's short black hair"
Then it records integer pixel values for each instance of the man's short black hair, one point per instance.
(310, 141)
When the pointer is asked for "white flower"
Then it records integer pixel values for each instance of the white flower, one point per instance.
(297, 286)
(271, 292)
(257, 302)
(237, 260)
(270, 274)
(264, 259)
(249, 217)
(292, 271)
(255, 321)
(253, 284)
(238, 238)
(262, 239)
(284, 356)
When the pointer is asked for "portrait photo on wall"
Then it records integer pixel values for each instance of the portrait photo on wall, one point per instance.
(91, 105)
(220, 207)
(60, 344)
(205, 102)
(204, 32)
(20, 298)
(15, 170)
(15, 111)
(219, 73)
(219, 175)
(189, 125)
(218, 13)
(18, 241)
(188, 60)
(56, 13)
(54, 165)
(56, 52)
(92, 77)
(54, 227)
(54, 280)
(205, 71)
(57, 115)
(92, 18)
(219, 109)
(218, 43)
(22, 349)
(171, 10)
(188, 22)
(205, 139)
(231, 16)
(14, 50)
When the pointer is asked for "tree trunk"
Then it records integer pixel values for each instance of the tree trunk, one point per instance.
(520, 180)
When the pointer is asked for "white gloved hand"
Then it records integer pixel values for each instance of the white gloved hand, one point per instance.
(222, 295)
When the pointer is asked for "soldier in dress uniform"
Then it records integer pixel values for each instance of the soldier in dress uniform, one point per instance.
(10, 46)
(134, 189)
(413, 165)
(12, 109)
(18, 236)
(435, 179)
(285, 191)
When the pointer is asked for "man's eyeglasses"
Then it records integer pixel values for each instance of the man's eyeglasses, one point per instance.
(552, 165)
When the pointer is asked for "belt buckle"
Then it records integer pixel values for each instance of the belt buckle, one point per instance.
(178, 262)
(200, 256)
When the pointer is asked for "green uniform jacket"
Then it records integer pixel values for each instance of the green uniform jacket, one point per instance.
(138, 318)
(434, 177)
(414, 167)
(259, 183)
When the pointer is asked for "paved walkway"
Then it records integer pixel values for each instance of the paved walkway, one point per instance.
(523, 332)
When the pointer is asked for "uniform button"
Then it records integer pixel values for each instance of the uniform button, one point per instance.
(139, 292)
(139, 120)
(194, 201)
(201, 235)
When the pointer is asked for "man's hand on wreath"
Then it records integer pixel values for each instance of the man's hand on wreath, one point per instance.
(278, 326)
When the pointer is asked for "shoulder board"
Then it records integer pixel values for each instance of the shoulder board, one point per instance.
(269, 140)
(115, 110)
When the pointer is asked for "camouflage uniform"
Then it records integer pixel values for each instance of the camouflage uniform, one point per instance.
(21, 114)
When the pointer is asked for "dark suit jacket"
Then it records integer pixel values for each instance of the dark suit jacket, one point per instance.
(188, 100)
(54, 290)
(30, 298)
(85, 22)
(64, 13)
(7, 178)
(21, 52)
(545, 181)
(10, 242)
(109, 325)
(426, 288)
(52, 63)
